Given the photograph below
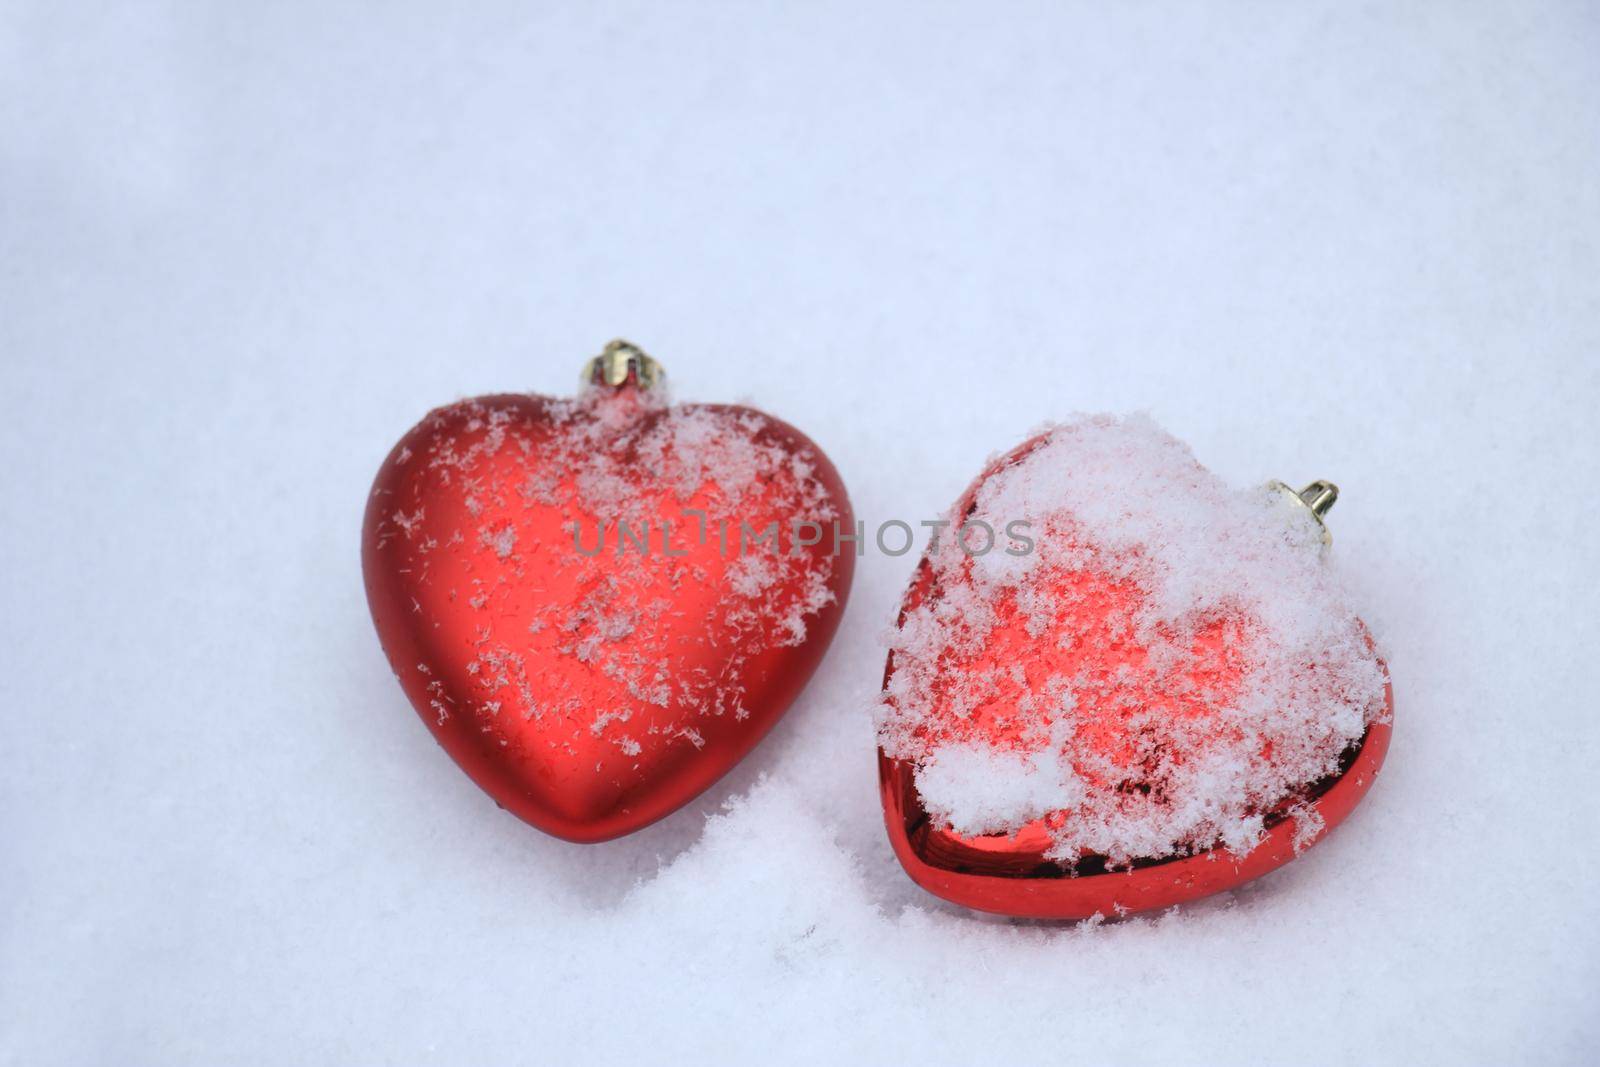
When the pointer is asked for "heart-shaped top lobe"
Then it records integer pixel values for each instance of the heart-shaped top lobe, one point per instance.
(599, 605)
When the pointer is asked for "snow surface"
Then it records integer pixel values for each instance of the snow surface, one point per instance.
(245, 248)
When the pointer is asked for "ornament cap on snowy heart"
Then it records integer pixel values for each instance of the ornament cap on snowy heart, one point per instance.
(1171, 697)
(598, 605)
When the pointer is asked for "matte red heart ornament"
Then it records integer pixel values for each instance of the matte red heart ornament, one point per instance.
(1156, 692)
(599, 605)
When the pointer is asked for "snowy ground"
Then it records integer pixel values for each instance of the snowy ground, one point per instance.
(242, 249)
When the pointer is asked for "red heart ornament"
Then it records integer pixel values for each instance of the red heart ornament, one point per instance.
(599, 605)
(1143, 708)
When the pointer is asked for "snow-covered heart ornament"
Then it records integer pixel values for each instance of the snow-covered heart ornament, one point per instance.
(1154, 690)
(599, 605)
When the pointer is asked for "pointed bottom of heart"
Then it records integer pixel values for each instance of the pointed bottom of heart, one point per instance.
(587, 809)
(1009, 875)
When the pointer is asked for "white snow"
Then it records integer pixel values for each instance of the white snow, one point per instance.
(246, 248)
(977, 788)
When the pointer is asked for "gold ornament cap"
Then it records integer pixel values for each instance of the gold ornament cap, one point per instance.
(1317, 498)
(621, 362)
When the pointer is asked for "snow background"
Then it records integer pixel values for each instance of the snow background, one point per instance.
(243, 249)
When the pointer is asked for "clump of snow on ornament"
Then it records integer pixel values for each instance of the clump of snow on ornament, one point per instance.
(1172, 666)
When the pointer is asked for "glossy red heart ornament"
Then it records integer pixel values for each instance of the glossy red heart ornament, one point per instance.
(599, 605)
(1090, 639)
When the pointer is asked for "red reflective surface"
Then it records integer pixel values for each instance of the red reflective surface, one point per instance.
(1010, 874)
(592, 695)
